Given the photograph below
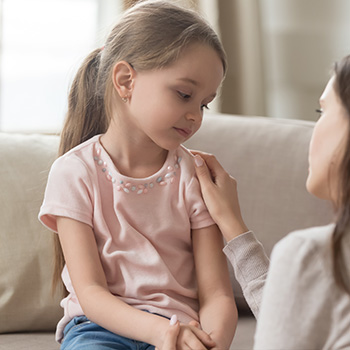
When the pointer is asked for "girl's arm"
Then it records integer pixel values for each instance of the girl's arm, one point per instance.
(218, 313)
(99, 305)
(89, 282)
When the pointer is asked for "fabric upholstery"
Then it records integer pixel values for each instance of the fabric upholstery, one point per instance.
(25, 246)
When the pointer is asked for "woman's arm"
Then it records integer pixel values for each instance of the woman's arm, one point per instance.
(250, 265)
(218, 313)
(298, 303)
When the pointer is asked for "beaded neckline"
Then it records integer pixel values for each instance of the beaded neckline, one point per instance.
(168, 176)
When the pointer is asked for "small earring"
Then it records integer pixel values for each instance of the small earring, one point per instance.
(125, 99)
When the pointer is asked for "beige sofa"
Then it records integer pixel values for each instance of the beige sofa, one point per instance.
(267, 156)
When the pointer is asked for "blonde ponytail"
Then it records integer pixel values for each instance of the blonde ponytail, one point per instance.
(86, 115)
(85, 118)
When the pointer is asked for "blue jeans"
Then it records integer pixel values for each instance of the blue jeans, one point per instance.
(82, 334)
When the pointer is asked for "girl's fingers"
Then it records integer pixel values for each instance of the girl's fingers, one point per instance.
(203, 337)
(171, 334)
(195, 324)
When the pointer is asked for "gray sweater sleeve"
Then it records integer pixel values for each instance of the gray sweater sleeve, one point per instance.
(302, 306)
(250, 264)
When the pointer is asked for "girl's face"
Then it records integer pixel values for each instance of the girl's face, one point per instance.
(327, 146)
(166, 105)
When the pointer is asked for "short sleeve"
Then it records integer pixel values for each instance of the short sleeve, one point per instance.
(198, 212)
(68, 193)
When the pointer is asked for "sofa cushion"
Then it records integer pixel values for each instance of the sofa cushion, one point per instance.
(26, 303)
(269, 159)
(31, 341)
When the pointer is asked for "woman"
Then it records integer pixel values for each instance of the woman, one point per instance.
(306, 298)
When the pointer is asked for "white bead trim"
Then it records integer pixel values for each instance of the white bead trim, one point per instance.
(129, 187)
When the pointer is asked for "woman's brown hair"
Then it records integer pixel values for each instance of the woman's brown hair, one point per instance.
(342, 229)
(150, 35)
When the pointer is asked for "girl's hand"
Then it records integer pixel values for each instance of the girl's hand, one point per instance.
(186, 337)
(192, 337)
(219, 191)
(171, 335)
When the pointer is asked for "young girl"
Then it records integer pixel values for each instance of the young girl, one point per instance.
(138, 242)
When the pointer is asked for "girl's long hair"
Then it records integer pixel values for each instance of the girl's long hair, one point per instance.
(150, 35)
(85, 118)
(342, 229)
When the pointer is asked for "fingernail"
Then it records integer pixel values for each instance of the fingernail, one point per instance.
(173, 320)
(198, 161)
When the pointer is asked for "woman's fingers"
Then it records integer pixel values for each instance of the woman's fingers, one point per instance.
(219, 191)
(204, 175)
(212, 164)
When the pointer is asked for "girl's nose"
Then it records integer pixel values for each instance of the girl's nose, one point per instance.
(195, 116)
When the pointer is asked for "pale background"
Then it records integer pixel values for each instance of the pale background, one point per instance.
(280, 54)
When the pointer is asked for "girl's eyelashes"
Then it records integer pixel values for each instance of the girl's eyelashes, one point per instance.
(184, 95)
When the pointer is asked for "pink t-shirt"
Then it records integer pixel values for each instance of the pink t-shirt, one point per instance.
(142, 227)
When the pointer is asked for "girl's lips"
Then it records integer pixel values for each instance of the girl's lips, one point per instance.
(184, 132)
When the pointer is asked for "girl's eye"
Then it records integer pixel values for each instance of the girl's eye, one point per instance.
(183, 95)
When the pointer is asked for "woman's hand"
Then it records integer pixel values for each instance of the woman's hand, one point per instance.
(219, 191)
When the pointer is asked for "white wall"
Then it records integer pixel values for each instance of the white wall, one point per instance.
(301, 39)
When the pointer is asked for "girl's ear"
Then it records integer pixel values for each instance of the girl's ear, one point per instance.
(123, 79)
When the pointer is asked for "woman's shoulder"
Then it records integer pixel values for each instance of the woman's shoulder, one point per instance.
(308, 248)
(318, 236)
